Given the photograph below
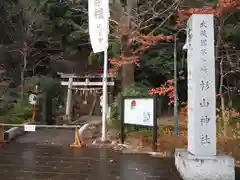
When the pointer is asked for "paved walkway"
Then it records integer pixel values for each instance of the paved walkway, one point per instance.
(46, 155)
(34, 156)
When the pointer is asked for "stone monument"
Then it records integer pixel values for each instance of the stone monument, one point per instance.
(201, 161)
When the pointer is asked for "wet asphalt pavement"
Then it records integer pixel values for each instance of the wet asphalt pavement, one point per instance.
(46, 155)
(36, 156)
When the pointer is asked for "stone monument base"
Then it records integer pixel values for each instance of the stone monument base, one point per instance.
(190, 167)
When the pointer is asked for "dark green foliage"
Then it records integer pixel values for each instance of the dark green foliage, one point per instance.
(66, 25)
(232, 27)
(157, 63)
(51, 86)
(19, 113)
(15, 112)
(54, 91)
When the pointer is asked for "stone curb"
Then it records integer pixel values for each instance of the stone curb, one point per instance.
(14, 132)
(150, 153)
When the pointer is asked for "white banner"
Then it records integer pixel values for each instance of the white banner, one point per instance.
(98, 17)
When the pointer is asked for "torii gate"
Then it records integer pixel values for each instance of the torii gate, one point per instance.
(72, 84)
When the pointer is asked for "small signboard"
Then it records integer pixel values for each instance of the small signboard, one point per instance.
(139, 111)
(30, 128)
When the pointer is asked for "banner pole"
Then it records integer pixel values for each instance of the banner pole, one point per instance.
(105, 98)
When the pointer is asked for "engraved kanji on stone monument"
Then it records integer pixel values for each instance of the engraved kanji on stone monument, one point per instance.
(200, 161)
(201, 95)
(205, 120)
(204, 103)
(204, 85)
(205, 139)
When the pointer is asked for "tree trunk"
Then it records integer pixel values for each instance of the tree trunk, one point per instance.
(224, 117)
(23, 71)
(223, 113)
(127, 75)
(127, 71)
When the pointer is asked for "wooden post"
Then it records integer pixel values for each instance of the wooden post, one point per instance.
(77, 142)
(35, 102)
(1, 133)
(34, 113)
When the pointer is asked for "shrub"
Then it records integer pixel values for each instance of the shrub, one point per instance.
(13, 111)
(52, 87)
(19, 113)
